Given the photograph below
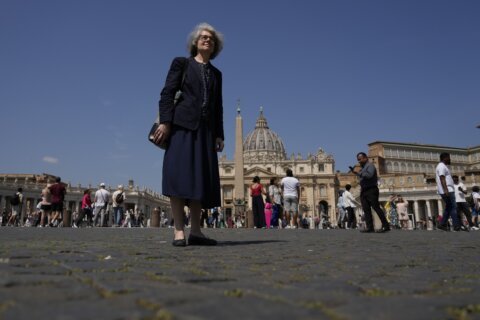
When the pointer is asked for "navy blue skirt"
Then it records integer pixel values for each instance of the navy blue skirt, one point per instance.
(190, 166)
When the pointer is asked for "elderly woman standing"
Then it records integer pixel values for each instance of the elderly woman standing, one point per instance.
(192, 129)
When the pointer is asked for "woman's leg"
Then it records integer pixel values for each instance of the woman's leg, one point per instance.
(177, 205)
(195, 214)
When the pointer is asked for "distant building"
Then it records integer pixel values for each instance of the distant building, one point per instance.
(408, 169)
(263, 154)
(136, 199)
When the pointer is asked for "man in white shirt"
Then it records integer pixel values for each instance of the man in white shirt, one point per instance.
(291, 195)
(462, 205)
(446, 190)
(340, 210)
(102, 197)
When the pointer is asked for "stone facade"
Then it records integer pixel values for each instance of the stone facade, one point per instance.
(408, 169)
(264, 155)
(32, 184)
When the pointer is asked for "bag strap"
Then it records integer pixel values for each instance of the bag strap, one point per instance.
(184, 71)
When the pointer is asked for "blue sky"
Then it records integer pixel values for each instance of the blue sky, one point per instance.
(80, 80)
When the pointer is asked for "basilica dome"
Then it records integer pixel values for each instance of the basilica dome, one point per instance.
(262, 144)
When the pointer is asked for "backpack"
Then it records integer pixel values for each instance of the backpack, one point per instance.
(119, 198)
(15, 201)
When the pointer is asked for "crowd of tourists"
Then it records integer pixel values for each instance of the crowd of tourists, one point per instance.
(273, 206)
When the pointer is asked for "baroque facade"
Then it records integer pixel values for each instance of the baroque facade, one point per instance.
(262, 153)
(408, 169)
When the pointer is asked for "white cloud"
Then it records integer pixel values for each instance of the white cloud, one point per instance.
(51, 160)
(107, 103)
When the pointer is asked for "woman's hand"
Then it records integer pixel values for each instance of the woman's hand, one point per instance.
(219, 144)
(162, 134)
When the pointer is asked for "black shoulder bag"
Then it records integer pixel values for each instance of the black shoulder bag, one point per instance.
(155, 125)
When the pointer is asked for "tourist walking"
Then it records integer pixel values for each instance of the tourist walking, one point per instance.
(446, 190)
(58, 192)
(391, 208)
(402, 211)
(258, 207)
(192, 131)
(275, 196)
(461, 202)
(215, 215)
(350, 206)
(341, 212)
(17, 208)
(118, 198)
(476, 204)
(102, 197)
(291, 195)
(86, 210)
(46, 206)
(268, 213)
(369, 193)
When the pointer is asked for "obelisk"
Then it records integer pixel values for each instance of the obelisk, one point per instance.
(239, 191)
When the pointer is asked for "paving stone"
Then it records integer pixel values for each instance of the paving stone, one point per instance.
(116, 273)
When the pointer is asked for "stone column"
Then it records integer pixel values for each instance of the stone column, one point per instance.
(221, 195)
(416, 213)
(314, 207)
(429, 215)
(239, 180)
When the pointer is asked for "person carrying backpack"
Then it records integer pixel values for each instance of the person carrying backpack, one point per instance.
(16, 202)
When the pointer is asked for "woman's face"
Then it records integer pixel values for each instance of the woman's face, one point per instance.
(206, 42)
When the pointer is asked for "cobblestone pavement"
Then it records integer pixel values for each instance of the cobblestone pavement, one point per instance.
(252, 274)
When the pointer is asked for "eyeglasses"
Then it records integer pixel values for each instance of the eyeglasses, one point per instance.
(204, 37)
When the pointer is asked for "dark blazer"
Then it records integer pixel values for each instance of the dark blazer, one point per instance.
(188, 109)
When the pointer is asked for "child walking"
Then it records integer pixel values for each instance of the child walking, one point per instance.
(268, 212)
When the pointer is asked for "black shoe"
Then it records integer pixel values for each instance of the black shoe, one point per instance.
(179, 243)
(461, 228)
(443, 227)
(367, 231)
(201, 241)
(383, 229)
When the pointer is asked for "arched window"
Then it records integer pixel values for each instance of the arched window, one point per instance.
(395, 167)
(389, 166)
